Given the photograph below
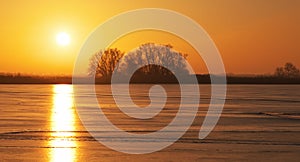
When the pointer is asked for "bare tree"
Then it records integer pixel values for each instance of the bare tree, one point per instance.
(288, 71)
(103, 63)
(153, 55)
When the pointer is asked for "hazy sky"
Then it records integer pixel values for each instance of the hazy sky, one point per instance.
(252, 36)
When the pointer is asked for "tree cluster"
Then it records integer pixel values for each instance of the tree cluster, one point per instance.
(287, 71)
(153, 57)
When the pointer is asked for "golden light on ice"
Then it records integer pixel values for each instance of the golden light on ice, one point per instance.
(63, 39)
(62, 125)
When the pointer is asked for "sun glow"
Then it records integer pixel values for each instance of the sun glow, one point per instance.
(63, 39)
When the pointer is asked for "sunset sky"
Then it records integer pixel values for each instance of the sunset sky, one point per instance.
(253, 37)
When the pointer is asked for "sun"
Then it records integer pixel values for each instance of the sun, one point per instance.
(63, 39)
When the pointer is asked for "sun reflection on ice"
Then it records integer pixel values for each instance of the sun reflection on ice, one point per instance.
(62, 125)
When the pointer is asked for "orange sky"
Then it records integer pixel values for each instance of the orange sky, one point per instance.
(252, 36)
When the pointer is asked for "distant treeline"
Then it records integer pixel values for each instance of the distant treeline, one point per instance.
(157, 63)
(202, 79)
(33, 79)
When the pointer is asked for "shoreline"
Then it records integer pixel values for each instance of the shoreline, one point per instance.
(202, 79)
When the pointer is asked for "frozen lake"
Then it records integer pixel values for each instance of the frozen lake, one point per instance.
(259, 122)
